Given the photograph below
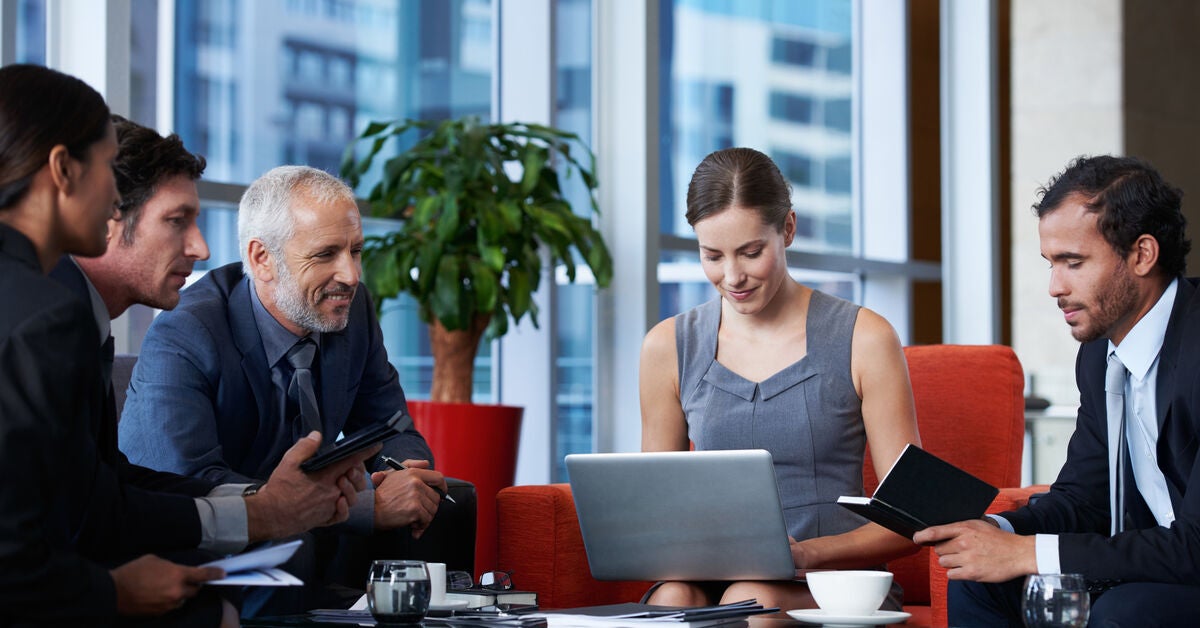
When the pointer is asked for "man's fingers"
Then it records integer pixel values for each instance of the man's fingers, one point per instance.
(416, 464)
(341, 511)
(303, 449)
(349, 493)
(202, 574)
(933, 534)
(357, 477)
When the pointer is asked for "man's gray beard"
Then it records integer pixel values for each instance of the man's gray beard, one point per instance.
(291, 303)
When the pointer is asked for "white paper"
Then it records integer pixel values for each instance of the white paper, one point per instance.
(258, 567)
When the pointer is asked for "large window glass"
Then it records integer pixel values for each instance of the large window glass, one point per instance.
(574, 324)
(31, 32)
(774, 75)
(270, 82)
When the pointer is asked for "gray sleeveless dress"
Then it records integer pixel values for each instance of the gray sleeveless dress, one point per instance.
(807, 415)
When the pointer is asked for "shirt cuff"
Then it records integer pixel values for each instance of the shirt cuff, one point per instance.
(223, 525)
(1003, 523)
(1046, 553)
(362, 513)
(228, 490)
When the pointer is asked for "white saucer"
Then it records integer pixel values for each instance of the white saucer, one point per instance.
(448, 605)
(818, 616)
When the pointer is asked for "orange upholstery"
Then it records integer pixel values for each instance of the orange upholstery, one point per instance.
(970, 411)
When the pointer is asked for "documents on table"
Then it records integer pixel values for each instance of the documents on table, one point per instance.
(258, 567)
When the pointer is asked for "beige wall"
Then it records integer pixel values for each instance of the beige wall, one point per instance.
(1091, 77)
(1066, 101)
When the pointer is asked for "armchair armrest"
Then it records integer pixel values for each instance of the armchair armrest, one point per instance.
(1008, 499)
(541, 545)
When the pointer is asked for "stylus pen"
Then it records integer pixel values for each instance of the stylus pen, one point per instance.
(399, 466)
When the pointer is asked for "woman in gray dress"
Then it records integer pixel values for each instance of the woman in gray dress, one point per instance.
(772, 364)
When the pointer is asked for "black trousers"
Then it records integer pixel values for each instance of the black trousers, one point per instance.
(1140, 604)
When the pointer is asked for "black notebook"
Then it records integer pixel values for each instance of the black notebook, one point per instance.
(922, 490)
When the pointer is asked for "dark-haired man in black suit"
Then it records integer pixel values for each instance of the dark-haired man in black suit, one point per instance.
(1125, 509)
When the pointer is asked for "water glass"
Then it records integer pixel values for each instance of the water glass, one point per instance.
(398, 591)
(1053, 600)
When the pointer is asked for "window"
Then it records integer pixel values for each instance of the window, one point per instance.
(31, 32)
(793, 52)
(260, 84)
(780, 97)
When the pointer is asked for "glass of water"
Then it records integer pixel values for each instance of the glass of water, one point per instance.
(398, 592)
(1053, 600)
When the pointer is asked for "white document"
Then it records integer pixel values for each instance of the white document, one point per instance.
(258, 568)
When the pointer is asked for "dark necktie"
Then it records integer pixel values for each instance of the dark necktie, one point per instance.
(300, 389)
(1114, 389)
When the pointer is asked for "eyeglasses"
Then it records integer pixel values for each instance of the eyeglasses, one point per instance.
(493, 580)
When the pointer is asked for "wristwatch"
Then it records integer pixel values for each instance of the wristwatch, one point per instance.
(251, 490)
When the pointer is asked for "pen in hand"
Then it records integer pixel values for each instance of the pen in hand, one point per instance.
(399, 466)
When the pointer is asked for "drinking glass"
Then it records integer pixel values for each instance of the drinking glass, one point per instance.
(398, 592)
(1053, 600)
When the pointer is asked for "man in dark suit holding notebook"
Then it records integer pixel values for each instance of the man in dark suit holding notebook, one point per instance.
(1125, 509)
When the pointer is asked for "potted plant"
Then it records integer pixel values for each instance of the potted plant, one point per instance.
(477, 201)
(481, 209)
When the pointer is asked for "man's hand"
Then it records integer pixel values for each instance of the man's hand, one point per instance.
(150, 585)
(292, 501)
(407, 498)
(980, 551)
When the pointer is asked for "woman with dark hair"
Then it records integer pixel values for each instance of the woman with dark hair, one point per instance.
(57, 193)
(773, 364)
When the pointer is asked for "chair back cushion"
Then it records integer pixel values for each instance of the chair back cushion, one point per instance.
(970, 412)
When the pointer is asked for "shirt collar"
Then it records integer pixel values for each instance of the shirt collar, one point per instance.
(1139, 349)
(276, 338)
(99, 309)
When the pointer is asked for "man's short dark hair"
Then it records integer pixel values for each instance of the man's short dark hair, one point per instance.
(144, 160)
(1132, 199)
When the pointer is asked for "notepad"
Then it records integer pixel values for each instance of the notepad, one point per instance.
(922, 490)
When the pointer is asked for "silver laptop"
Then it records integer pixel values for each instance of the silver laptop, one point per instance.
(681, 515)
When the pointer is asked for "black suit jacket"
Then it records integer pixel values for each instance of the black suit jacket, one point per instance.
(69, 275)
(1077, 506)
(58, 496)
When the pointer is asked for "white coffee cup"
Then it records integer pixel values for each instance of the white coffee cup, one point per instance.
(437, 582)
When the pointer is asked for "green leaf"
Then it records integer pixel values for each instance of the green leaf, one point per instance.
(373, 128)
(520, 293)
(446, 294)
(485, 285)
(534, 159)
(447, 223)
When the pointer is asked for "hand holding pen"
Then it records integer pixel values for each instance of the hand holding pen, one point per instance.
(399, 466)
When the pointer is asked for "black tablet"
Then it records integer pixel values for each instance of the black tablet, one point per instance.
(358, 441)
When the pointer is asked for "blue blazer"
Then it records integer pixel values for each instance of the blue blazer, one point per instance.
(1077, 506)
(200, 401)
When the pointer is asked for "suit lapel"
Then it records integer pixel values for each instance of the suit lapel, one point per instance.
(1173, 437)
(249, 344)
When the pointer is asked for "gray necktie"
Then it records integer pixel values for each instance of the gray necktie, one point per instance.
(300, 389)
(1114, 389)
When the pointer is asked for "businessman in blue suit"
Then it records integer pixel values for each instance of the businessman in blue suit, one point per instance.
(1125, 509)
(260, 352)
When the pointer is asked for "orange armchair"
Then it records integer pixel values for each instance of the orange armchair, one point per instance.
(970, 411)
